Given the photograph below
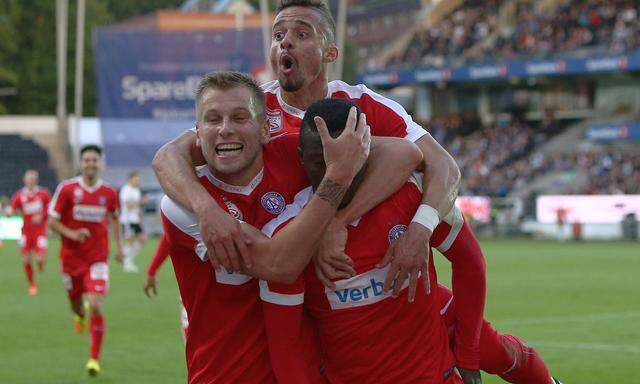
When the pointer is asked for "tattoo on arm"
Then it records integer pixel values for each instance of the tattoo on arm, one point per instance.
(331, 192)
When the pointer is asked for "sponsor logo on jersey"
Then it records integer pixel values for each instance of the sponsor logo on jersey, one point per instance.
(273, 202)
(89, 213)
(32, 207)
(360, 290)
(222, 276)
(233, 209)
(274, 119)
(396, 232)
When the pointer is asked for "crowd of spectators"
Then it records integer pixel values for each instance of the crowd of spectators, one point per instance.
(496, 159)
(609, 24)
(473, 32)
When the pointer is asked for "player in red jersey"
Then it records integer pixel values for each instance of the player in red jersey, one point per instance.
(31, 202)
(303, 45)
(366, 336)
(253, 181)
(79, 212)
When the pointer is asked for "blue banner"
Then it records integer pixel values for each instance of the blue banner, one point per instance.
(626, 130)
(153, 74)
(503, 70)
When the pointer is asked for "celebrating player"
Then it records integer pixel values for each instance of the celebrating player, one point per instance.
(31, 202)
(253, 180)
(302, 47)
(131, 200)
(79, 212)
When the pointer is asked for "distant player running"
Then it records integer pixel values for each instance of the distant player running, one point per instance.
(31, 202)
(131, 201)
(79, 212)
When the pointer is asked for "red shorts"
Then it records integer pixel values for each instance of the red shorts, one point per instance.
(36, 243)
(94, 281)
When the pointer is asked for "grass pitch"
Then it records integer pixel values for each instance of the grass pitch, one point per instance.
(578, 304)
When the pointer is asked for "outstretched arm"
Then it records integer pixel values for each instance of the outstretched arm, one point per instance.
(174, 165)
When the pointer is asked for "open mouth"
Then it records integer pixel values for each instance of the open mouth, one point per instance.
(287, 63)
(229, 149)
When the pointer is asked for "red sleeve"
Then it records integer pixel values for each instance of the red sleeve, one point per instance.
(455, 240)
(159, 257)
(15, 202)
(114, 203)
(59, 202)
(292, 340)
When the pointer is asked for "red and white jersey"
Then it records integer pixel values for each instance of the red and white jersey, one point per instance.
(78, 205)
(33, 205)
(366, 335)
(385, 116)
(226, 340)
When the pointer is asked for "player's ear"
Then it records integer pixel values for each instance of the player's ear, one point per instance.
(198, 142)
(330, 54)
(264, 132)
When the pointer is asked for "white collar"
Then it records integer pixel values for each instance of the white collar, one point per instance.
(237, 189)
(89, 188)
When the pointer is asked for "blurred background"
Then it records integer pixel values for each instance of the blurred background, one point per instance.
(538, 101)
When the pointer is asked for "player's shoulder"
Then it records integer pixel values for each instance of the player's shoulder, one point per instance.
(286, 142)
(68, 184)
(338, 88)
(270, 87)
(107, 187)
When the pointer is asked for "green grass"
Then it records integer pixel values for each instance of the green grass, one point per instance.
(579, 304)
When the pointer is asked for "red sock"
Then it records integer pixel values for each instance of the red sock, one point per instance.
(28, 270)
(96, 331)
(510, 358)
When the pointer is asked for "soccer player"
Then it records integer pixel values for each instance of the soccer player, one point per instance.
(131, 201)
(302, 47)
(366, 336)
(80, 210)
(31, 202)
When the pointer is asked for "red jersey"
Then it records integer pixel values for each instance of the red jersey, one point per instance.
(33, 206)
(78, 205)
(366, 336)
(226, 340)
(384, 116)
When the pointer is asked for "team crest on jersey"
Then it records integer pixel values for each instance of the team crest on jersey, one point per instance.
(396, 232)
(77, 194)
(273, 202)
(233, 209)
(274, 119)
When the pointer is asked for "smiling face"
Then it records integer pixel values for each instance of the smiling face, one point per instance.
(90, 165)
(230, 133)
(300, 49)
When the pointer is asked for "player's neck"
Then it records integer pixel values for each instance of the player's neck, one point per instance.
(89, 182)
(243, 177)
(307, 95)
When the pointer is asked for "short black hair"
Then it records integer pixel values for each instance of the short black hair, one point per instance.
(334, 112)
(318, 5)
(91, 147)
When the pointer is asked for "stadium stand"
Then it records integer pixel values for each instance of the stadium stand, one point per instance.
(14, 150)
(495, 29)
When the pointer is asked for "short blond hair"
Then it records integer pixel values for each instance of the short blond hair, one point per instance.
(224, 80)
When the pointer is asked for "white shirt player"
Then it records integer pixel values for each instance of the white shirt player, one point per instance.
(130, 194)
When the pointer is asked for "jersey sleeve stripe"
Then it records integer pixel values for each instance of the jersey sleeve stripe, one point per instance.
(414, 130)
(54, 200)
(291, 210)
(456, 220)
(185, 221)
(288, 299)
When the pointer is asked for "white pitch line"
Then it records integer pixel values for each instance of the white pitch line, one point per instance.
(564, 319)
(588, 346)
